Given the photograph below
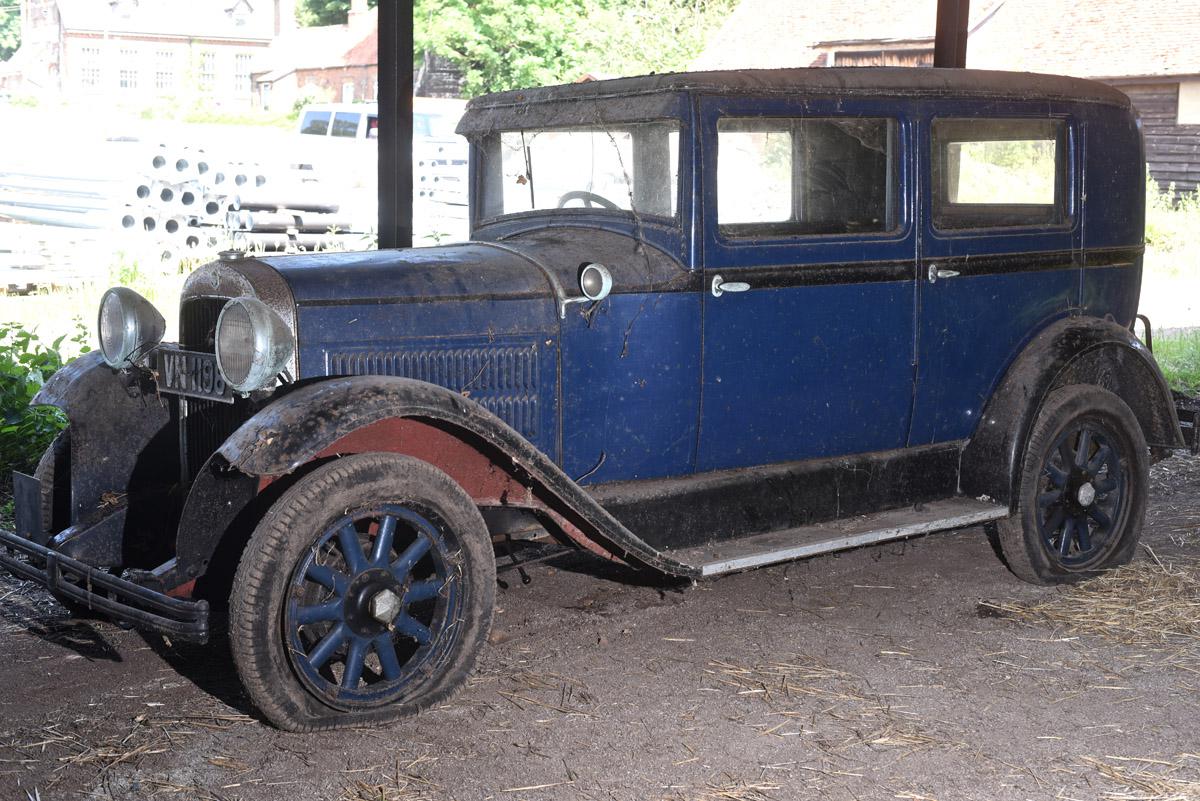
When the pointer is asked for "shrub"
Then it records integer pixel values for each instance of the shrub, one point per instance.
(25, 364)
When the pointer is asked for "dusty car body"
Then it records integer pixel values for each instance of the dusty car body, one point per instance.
(705, 322)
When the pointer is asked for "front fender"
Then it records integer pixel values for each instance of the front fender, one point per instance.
(1076, 350)
(121, 433)
(353, 414)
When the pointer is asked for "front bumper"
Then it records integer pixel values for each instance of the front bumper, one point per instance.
(118, 598)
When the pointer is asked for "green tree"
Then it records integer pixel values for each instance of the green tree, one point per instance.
(508, 44)
(10, 29)
(325, 12)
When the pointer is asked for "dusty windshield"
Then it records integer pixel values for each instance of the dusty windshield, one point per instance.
(625, 168)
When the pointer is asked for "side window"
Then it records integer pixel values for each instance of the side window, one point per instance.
(315, 122)
(990, 173)
(805, 176)
(345, 123)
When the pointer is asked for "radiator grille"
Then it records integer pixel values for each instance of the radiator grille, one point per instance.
(198, 323)
(206, 426)
(503, 380)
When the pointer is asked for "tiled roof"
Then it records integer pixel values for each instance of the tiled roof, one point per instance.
(200, 19)
(1087, 38)
(321, 47)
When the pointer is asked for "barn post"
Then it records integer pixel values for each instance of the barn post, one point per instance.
(395, 123)
(950, 39)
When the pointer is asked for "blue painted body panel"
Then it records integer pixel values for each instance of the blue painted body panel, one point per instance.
(663, 379)
(972, 326)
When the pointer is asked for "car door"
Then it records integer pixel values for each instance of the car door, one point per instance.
(809, 265)
(1000, 250)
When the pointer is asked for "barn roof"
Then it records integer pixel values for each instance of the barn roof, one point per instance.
(1085, 38)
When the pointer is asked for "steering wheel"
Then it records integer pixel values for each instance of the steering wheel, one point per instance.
(589, 198)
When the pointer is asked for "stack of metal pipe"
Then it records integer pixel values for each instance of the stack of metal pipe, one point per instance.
(175, 198)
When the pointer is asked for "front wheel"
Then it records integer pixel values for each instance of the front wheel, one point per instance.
(1082, 494)
(365, 594)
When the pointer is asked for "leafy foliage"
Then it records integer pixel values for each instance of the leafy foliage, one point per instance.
(10, 30)
(509, 44)
(25, 364)
(324, 12)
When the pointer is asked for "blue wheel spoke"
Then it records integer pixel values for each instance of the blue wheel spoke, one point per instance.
(328, 578)
(1053, 522)
(1085, 447)
(355, 658)
(328, 645)
(423, 591)
(1066, 454)
(410, 627)
(1107, 485)
(1058, 477)
(412, 554)
(1100, 517)
(320, 613)
(386, 649)
(352, 550)
(1100, 459)
(1068, 534)
(1082, 534)
(382, 548)
(1048, 498)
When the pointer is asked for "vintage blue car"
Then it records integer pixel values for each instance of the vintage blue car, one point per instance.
(705, 322)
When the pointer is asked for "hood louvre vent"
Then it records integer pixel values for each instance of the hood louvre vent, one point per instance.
(503, 380)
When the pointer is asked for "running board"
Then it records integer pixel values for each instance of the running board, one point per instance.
(796, 543)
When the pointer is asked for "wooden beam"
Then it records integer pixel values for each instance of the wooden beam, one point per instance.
(395, 123)
(950, 42)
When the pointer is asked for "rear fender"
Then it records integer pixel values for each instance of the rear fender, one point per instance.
(1071, 351)
(334, 417)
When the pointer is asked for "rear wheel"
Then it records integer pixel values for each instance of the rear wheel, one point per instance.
(1082, 494)
(365, 594)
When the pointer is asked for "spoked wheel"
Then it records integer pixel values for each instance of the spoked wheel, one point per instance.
(1082, 492)
(365, 594)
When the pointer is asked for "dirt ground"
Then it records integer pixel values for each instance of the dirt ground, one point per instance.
(916, 670)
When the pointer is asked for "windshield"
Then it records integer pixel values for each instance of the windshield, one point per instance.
(630, 167)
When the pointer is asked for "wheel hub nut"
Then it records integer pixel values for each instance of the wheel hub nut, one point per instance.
(385, 606)
(1087, 494)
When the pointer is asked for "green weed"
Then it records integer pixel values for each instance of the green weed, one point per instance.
(1178, 354)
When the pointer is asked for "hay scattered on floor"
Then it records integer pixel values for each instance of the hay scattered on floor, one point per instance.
(1140, 779)
(402, 784)
(1152, 604)
(730, 789)
(799, 676)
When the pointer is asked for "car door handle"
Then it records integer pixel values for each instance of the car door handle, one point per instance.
(935, 273)
(720, 287)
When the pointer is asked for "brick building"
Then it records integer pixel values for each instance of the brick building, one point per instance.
(136, 52)
(1147, 48)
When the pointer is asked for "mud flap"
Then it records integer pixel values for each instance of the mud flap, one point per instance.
(27, 500)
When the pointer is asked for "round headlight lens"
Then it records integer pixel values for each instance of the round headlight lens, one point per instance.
(253, 344)
(129, 326)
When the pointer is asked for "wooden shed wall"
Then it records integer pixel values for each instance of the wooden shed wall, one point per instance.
(1172, 151)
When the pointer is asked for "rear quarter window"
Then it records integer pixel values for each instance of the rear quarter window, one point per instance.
(990, 173)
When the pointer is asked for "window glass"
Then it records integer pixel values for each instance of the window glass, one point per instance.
(624, 167)
(803, 176)
(315, 122)
(998, 172)
(345, 123)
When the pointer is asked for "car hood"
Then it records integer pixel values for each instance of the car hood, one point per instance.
(451, 272)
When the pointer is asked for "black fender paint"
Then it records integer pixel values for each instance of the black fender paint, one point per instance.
(1076, 350)
(123, 445)
(285, 435)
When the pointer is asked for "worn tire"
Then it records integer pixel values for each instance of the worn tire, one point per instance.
(281, 560)
(1028, 539)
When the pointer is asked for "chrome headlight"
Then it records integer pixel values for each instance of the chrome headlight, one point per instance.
(253, 344)
(129, 326)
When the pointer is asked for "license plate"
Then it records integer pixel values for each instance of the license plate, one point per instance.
(185, 372)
